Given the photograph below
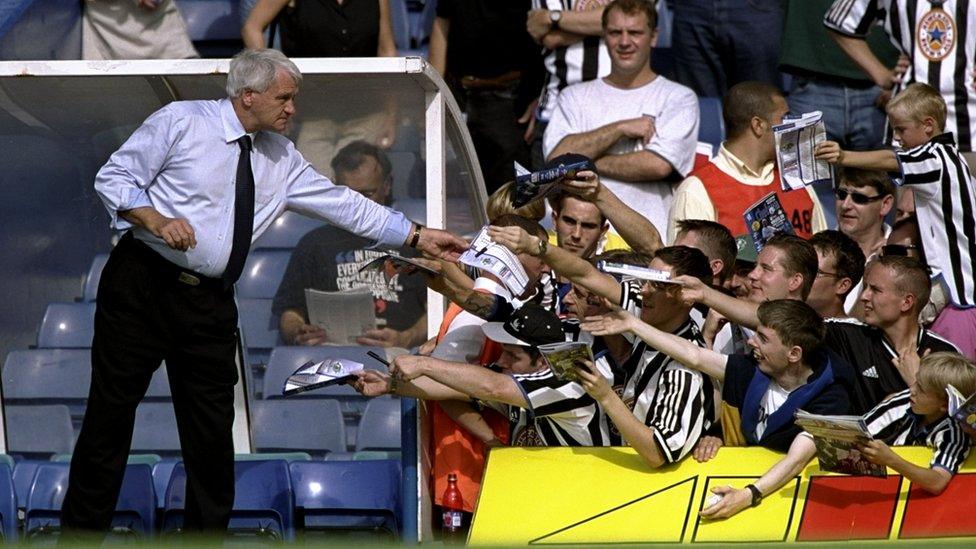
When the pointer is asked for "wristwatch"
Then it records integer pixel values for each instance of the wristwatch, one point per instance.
(543, 247)
(554, 17)
(756, 495)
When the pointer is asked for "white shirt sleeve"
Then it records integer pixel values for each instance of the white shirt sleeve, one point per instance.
(676, 131)
(563, 121)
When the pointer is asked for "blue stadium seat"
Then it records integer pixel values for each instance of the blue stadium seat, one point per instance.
(259, 329)
(286, 231)
(379, 428)
(313, 426)
(711, 127)
(23, 475)
(67, 326)
(8, 505)
(46, 375)
(264, 502)
(89, 289)
(134, 513)
(155, 430)
(39, 431)
(262, 273)
(285, 360)
(162, 472)
(348, 495)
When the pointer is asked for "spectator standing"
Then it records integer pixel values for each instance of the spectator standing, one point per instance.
(719, 43)
(571, 34)
(640, 128)
(489, 61)
(745, 169)
(938, 37)
(128, 29)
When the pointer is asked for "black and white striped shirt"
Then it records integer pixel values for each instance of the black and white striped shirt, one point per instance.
(894, 422)
(945, 203)
(580, 62)
(676, 402)
(560, 412)
(941, 44)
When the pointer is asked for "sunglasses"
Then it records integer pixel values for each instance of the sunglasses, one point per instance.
(857, 198)
(897, 249)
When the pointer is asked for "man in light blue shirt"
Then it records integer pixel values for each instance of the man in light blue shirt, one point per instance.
(186, 186)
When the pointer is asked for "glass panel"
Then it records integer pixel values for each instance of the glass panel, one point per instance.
(57, 131)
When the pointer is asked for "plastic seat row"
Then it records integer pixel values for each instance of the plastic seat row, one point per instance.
(313, 426)
(274, 499)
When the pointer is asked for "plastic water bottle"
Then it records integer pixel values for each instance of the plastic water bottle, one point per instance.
(453, 509)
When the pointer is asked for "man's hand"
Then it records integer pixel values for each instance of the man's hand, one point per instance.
(829, 151)
(615, 322)
(382, 337)
(585, 185)
(641, 128)
(176, 232)
(441, 244)
(310, 335)
(692, 289)
(877, 452)
(528, 118)
(595, 384)
(714, 322)
(907, 363)
(706, 449)
(407, 367)
(371, 383)
(427, 347)
(733, 501)
(538, 24)
(515, 239)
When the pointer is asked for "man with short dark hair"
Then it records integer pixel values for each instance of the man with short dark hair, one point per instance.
(839, 271)
(715, 240)
(863, 199)
(744, 171)
(639, 127)
(329, 259)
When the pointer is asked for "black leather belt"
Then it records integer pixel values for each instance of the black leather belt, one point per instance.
(168, 269)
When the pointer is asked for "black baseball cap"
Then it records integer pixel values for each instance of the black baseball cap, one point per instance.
(529, 326)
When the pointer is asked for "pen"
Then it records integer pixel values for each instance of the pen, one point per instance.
(380, 359)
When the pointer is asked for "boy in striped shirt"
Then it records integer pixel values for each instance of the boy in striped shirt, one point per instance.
(945, 198)
(919, 416)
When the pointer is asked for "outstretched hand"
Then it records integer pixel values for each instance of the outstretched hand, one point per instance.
(407, 367)
(592, 381)
(617, 321)
(513, 238)
(586, 185)
(731, 503)
(829, 151)
(692, 289)
(441, 244)
(371, 383)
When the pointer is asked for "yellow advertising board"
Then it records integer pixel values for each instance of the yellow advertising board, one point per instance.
(560, 496)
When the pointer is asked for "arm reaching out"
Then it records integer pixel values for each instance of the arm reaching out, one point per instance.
(468, 379)
(618, 321)
(867, 160)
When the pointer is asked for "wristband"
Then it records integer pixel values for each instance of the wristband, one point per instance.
(415, 237)
(756, 495)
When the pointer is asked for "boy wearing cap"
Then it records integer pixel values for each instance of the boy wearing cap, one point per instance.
(543, 409)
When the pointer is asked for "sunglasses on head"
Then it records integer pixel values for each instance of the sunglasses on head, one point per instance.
(857, 198)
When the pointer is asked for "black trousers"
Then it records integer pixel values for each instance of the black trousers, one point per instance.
(148, 310)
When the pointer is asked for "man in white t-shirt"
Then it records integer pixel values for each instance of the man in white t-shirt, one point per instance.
(639, 127)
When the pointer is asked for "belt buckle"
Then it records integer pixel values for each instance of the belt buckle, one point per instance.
(187, 278)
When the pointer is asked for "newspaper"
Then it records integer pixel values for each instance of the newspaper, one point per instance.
(562, 358)
(343, 315)
(836, 438)
(766, 219)
(530, 186)
(399, 263)
(497, 260)
(962, 409)
(313, 375)
(633, 271)
(796, 139)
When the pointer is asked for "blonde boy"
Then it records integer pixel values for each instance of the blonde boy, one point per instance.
(929, 162)
(919, 416)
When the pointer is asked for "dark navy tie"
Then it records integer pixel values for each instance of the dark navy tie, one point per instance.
(243, 214)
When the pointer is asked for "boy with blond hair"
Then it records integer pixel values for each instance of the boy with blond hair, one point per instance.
(930, 164)
(919, 416)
